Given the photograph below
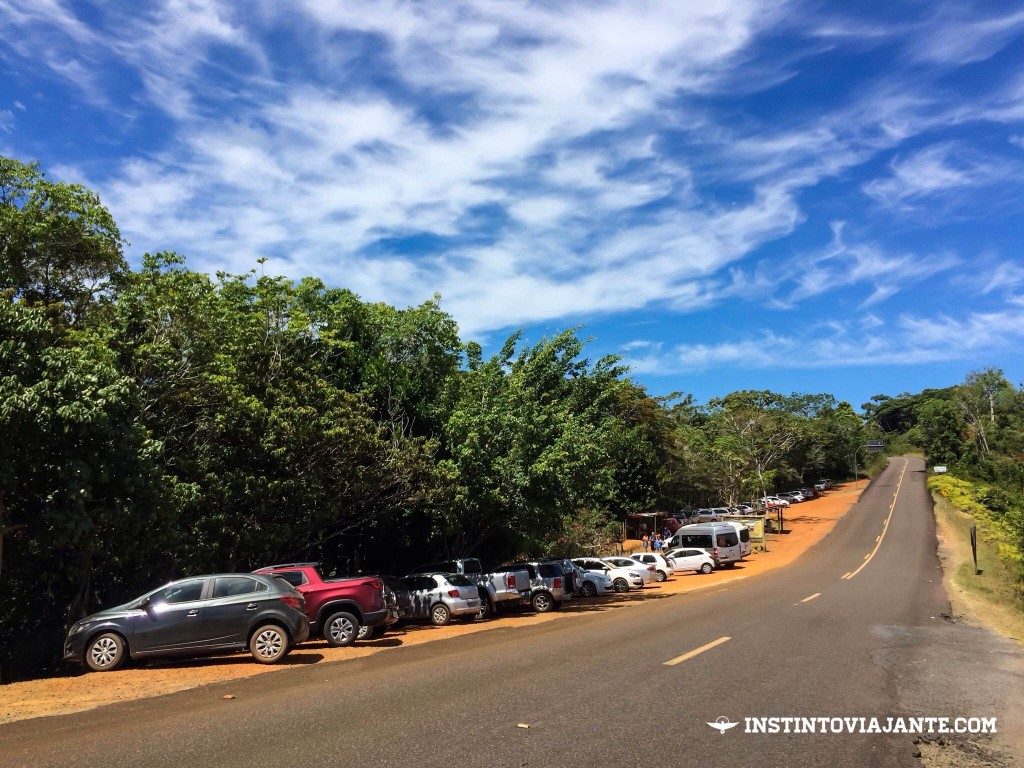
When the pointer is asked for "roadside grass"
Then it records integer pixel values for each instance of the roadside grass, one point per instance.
(995, 597)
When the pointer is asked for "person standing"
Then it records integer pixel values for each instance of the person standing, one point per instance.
(647, 543)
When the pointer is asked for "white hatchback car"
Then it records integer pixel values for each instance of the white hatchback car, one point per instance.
(688, 559)
(623, 579)
(647, 572)
(662, 569)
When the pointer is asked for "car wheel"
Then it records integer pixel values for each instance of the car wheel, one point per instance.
(588, 589)
(542, 602)
(370, 633)
(440, 615)
(269, 644)
(105, 652)
(662, 576)
(706, 568)
(486, 609)
(620, 585)
(341, 629)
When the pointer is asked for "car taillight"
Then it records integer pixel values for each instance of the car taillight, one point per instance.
(292, 601)
(453, 593)
(558, 583)
(650, 568)
(510, 581)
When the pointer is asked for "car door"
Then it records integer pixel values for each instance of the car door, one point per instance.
(173, 618)
(233, 603)
(689, 559)
(419, 588)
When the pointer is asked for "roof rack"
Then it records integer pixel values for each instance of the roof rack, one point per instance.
(292, 565)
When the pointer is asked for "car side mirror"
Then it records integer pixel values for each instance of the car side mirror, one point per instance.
(145, 603)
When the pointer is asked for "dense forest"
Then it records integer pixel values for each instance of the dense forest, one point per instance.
(157, 421)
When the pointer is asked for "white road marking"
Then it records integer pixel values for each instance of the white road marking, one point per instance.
(885, 526)
(811, 597)
(695, 651)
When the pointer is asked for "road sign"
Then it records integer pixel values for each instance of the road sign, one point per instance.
(939, 469)
(875, 446)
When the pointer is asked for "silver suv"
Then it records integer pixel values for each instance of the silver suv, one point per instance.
(550, 585)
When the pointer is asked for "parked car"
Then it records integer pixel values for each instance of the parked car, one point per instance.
(662, 569)
(498, 589)
(647, 572)
(623, 579)
(438, 597)
(720, 540)
(550, 585)
(688, 559)
(771, 502)
(744, 509)
(219, 613)
(592, 583)
(391, 601)
(744, 533)
(336, 607)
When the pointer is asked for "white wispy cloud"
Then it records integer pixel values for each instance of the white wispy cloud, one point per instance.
(906, 340)
(939, 169)
(549, 122)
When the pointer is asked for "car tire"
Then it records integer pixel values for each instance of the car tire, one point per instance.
(620, 585)
(105, 652)
(341, 629)
(662, 576)
(440, 615)
(269, 644)
(370, 633)
(706, 568)
(488, 610)
(542, 602)
(588, 589)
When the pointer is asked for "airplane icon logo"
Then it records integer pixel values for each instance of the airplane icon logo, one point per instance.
(722, 724)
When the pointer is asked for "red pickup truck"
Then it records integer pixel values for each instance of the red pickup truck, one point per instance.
(336, 608)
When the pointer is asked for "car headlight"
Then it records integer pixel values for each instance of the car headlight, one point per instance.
(79, 627)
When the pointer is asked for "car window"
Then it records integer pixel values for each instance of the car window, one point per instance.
(181, 592)
(230, 586)
(458, 580)
(701, 540)
(295, 578)
(728, 539)
(549, 570)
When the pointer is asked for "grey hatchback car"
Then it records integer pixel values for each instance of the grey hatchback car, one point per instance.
(196, 616)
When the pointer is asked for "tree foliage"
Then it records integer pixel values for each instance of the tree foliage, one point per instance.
(159, 422)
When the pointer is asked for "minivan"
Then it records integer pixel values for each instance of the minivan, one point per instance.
(744, 534)
(720, 540)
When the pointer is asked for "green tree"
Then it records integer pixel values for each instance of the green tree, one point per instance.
(59, 246)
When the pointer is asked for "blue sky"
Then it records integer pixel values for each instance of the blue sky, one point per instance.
(731, 193)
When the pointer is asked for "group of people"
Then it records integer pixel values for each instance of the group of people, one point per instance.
(656, 543)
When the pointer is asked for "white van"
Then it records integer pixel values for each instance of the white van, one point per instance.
(720, 540)
(744, 533)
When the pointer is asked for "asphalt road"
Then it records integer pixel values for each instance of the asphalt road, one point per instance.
(595, 689)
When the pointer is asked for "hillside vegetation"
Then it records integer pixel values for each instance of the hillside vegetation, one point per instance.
(158, 422)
